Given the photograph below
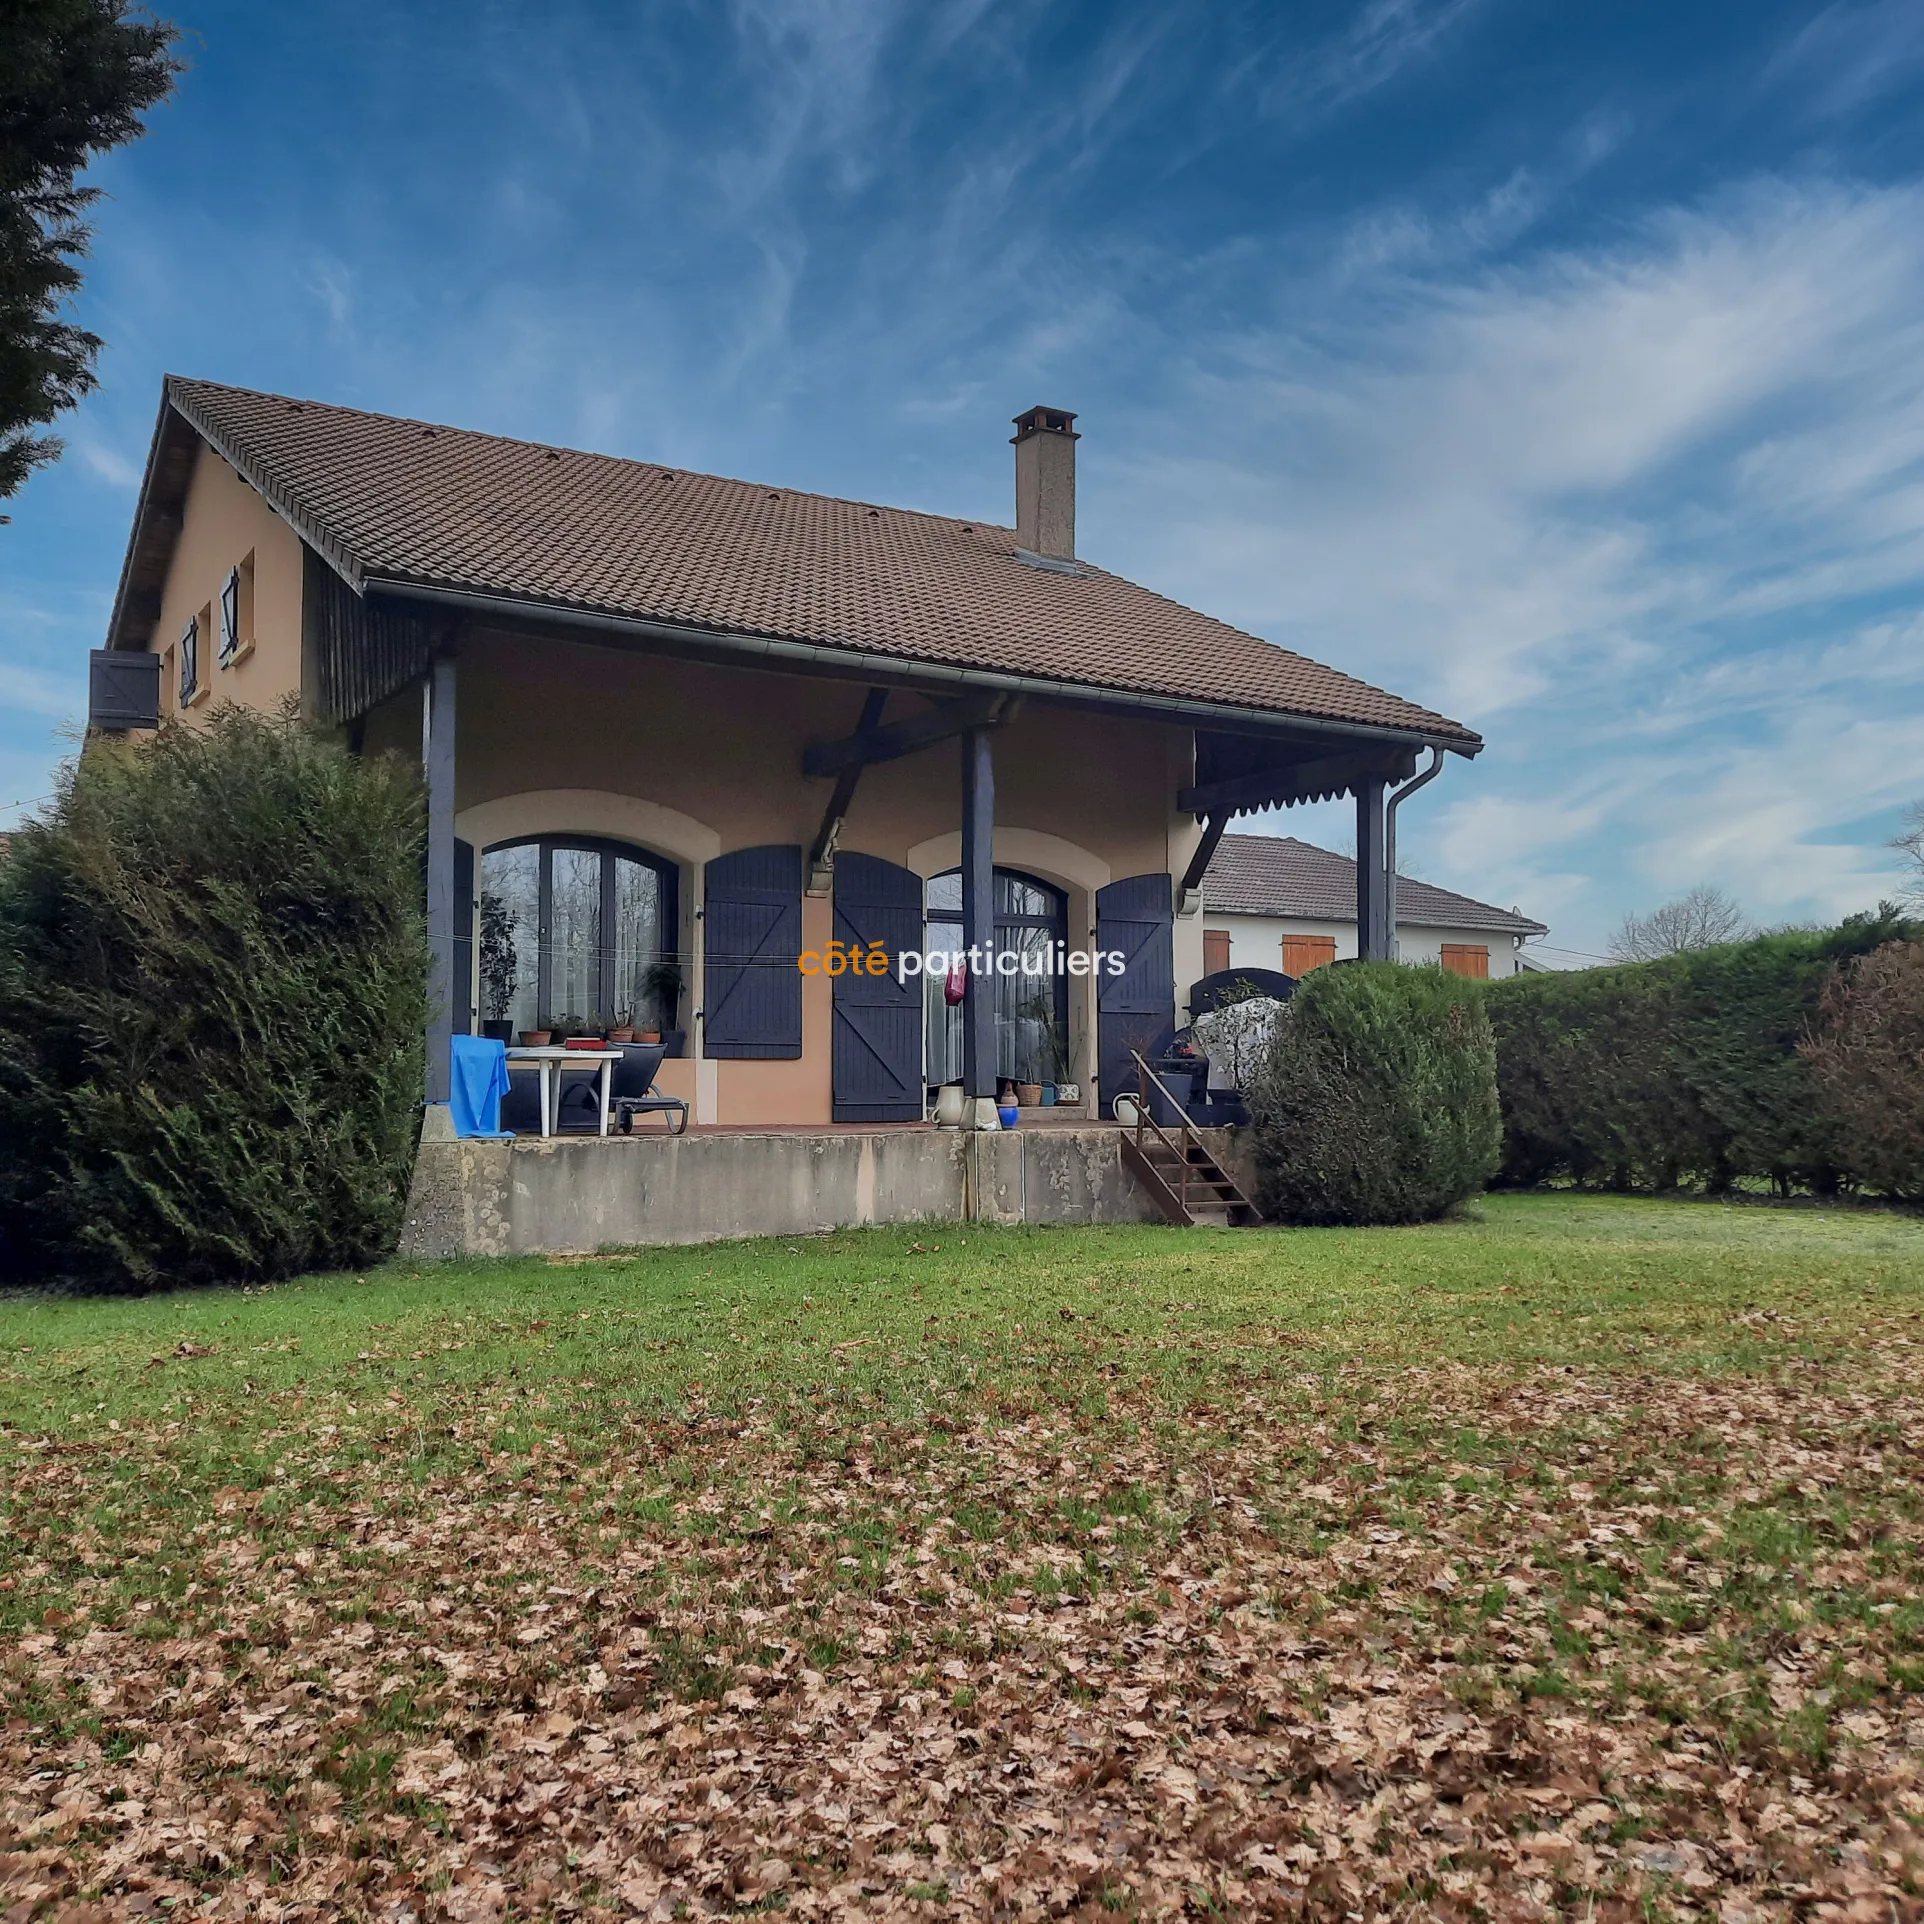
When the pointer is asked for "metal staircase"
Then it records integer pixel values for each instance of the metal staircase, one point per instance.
(1187, 1183)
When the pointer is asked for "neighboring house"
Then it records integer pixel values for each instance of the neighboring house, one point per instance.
(1272, 902)
(666, 718)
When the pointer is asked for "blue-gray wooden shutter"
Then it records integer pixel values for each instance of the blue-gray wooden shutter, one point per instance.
(751, 945)
(1136, 1009)
(461, 982)
(877, 1054)
(123, 689)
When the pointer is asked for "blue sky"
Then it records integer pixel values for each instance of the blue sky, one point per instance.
(1560, 367)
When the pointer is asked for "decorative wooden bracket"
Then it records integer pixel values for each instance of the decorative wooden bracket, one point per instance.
(874, 743)
(821, 854)
(1192, 876)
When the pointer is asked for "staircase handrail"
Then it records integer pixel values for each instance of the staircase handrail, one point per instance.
(1188, 1132)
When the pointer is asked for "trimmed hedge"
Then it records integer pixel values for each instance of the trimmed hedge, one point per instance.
(1376, 1102)
(1867, 1058)
(212, 997)
(1685, 1070)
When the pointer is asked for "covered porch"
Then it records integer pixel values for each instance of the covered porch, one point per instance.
(736, 831)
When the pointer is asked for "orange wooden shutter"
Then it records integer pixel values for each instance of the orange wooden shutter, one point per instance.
(1301, 953)
(1467, 958)
(1215, 950)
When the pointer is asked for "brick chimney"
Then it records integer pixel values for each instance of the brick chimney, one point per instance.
(1045, 483)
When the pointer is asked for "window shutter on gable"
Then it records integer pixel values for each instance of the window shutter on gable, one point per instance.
(123, 689)
(190, 661)
(229, 616)
(751, 945)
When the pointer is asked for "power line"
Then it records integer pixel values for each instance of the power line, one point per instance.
(1550, 948)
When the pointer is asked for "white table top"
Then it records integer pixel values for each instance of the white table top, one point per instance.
(554, 1052)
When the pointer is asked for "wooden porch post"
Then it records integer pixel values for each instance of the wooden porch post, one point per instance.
(1375, 926)
(978, 912)
(437, 754)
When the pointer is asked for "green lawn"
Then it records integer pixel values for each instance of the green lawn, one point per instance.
(1567, 1556)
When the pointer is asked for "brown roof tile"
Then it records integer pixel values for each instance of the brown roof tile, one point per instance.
(402, 500)
(1278, 875)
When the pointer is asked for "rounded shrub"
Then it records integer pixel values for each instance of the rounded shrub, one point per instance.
(1377, 1100)
(212, 997)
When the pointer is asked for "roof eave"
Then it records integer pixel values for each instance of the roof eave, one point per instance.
(323, 541)
(856, 663)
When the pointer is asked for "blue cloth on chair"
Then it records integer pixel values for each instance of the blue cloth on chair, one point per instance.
(476, 1086)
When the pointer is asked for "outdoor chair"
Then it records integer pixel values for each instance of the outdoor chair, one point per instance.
(633, 1091)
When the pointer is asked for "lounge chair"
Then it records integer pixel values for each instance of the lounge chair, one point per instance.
(633, 1092)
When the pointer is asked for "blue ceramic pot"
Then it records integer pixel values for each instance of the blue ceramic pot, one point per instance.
(1010, 1116)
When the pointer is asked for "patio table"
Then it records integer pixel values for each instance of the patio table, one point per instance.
(550, 1062)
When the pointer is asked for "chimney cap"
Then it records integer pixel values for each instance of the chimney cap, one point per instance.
(1041, 420)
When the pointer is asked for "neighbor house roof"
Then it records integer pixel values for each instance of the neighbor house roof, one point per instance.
(396, 501)
(1278, 875)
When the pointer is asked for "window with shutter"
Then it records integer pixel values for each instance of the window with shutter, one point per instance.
(190, 662)
(229, 616)
(1301, 953)
(1215, 951)
(1468, 958)
(751, 954)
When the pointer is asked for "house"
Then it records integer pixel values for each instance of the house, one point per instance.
(689, 740)
(1273, 902)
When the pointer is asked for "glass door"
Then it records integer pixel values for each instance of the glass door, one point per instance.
(577, 929)
(1031, 996)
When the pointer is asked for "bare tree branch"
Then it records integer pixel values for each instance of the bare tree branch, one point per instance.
(1909, 842)
(1700, 919)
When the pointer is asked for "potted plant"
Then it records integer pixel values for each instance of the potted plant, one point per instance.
(623, 1027)
(662, 981)
(541, 1035)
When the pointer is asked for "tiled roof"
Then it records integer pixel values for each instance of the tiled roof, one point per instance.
(1278, 875)
(404, 501)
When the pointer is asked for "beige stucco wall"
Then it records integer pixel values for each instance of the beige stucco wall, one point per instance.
(1256, 941)
(224, 523)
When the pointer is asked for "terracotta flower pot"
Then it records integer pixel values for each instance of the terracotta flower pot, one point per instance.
(625, 1033)
(647, 1035)
(536, 1038)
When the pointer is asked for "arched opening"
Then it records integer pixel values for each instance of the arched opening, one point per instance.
(1031, 999)
(578, 926)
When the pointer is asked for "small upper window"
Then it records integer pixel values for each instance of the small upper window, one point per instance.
(229, 616)
(237, 612)
(190, 662)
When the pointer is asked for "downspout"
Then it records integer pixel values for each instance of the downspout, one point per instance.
(1402, 795)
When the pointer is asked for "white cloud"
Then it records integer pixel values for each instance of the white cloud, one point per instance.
(1625, 510)
(109, 464)
(1382, 40)
(1850, 55)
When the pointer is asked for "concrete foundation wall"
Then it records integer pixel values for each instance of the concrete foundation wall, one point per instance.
(582, 1194)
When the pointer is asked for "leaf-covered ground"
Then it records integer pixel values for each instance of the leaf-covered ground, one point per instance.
(1561, 1563)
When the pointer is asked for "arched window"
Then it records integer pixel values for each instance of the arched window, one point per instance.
(1031, 1004)
(574, 926)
